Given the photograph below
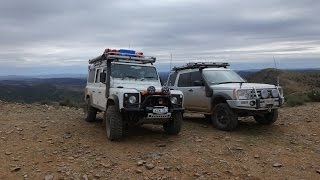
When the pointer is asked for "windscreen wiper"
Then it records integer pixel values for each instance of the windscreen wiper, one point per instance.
(228, 82)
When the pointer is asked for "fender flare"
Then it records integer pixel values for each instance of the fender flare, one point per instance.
(219, 96)
(113, 99)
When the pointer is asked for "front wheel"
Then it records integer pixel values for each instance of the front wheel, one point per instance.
(114, 123)
(268, 118)
(173, 127)
(224, 118)
(90, 112)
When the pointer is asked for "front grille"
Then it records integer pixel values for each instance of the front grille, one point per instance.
(155, 100)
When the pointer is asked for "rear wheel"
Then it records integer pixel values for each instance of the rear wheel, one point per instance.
(89, 111)
(114, 123)
(268, 118)
(224, 118)
(173, 127)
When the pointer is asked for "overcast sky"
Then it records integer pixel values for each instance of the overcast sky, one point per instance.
(54, 37)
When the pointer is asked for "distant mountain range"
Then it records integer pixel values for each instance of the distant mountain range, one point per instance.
(70, 88)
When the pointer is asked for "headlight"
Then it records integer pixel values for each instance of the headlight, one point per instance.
(275, 93)
(132, 99)
(264, 94)
(244, 94)
(174, 100)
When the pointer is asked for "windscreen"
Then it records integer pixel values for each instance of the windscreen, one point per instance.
(124, 71)
(222, 76)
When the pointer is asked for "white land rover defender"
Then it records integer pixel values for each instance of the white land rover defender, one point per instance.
(126, 87)
(223, 96)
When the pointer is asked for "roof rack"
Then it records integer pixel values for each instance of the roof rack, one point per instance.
(201, 65)
(123, 55)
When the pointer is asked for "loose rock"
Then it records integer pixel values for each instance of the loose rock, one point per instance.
(48, 177)
(15, 169)
(277, 165)
(149, 166)
(141, 163)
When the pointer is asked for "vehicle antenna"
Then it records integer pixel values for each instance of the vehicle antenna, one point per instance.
(168, 82)
(275, 65)
(170, 61)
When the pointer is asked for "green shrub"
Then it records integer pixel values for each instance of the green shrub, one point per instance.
(296, 99)
(314, 95)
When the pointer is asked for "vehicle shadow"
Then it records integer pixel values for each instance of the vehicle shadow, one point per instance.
(246, 126)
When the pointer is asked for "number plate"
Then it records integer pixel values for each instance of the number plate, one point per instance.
(160, 110)
(269, 101)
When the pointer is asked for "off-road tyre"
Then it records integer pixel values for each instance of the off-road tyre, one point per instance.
(173, 127)
(90, 112)
(268, 118)
(114, 123)
(224, 118)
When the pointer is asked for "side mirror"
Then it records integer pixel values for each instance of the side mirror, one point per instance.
(103, 77)
(197, 83)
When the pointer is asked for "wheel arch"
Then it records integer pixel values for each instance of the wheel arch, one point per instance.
(113, 100)
(219, 98)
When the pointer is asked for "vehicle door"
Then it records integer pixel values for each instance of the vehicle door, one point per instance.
(197, 93)
(95, 88)
(102, 101)
(183, 84)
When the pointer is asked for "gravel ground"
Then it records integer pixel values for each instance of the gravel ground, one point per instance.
(47, 142)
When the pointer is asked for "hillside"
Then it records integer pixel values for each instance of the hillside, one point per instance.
(291, 81)
(70, 90)
(41, 141)
(67, 90)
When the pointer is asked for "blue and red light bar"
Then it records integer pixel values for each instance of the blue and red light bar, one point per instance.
(123, 52)
(123, 55)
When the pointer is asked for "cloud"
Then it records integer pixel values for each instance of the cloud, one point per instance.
(37, 33)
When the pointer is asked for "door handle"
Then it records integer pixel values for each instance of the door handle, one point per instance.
(93, 91)
(99, 92)
(190, 90)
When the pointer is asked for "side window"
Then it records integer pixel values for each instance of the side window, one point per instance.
(91, 75)
(172, 79)
(196, 76)
(97, 76)
(184, 80)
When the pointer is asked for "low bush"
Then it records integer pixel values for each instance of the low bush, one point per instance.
(314, 95)
(296, 99)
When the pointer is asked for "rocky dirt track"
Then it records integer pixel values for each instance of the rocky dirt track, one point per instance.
(46, 142)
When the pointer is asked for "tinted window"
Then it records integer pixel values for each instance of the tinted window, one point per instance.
(195, 76)
(172, 79)
(91, 75)
(184, 80)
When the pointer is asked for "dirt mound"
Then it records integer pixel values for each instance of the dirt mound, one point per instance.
(46, 142)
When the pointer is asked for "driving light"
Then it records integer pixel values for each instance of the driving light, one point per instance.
(165, 90)
(151, 89)
(264, 94)
(132, 99)
(275, 93)
(174, 100)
